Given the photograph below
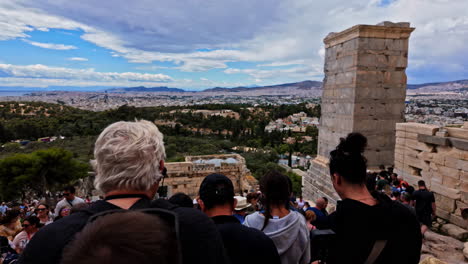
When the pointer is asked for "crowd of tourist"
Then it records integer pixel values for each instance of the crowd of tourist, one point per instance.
(374, 222)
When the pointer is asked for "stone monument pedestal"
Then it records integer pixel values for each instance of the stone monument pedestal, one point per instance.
(364, 91)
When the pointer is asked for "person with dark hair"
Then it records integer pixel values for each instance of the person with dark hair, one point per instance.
(287, 228)
(242, 244)
(10, 224)
(396, 196)
(360, 215)
(129, 167)
(30, 226)
(425, 206)
(252, 198)
(148, 239)
(182, 200)
(382, 182)
(406, 202)
(69, 199)
(43, 213)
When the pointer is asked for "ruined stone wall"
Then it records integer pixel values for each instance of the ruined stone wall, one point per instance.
(439, 156)
(187, 176)
(364, 91)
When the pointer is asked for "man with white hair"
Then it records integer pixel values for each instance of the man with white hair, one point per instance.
(129, 161)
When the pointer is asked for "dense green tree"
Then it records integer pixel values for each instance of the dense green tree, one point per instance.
(38, 172)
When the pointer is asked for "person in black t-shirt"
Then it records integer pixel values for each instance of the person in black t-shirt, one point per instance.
(243, 244)
(362, 218)
(425, 206)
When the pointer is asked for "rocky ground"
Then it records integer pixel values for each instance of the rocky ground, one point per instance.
(443, 248)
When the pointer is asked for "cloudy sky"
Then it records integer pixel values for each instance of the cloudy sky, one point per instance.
(196, 44)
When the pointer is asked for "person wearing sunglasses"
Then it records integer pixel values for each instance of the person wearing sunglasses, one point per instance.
(69, 200)
(42, 212)
(129, 165)
(30, 227)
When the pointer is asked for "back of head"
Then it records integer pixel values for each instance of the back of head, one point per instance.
(10, 215)
(421, 183)
(310, 216)
(128, 156)
(348, 161)
(275, 188)
(182, 200)
(215, 190)
(124, 237)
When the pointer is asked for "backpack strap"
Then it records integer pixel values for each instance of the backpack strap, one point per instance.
(379, 245)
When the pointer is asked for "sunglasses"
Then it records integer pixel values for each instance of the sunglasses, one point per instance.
(66, 194)
(168, 216)
(25, 225)
(41, 209)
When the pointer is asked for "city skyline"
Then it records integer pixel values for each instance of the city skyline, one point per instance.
(219, 43)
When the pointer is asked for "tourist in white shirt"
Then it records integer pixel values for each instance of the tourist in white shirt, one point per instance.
(69, 199)
(30, 227)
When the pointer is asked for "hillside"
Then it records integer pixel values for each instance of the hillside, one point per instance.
(453, 86)
(305, 85)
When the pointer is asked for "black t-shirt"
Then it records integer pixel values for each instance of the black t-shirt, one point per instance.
(424, 200)
(358, 226)
(244, 244)
(200, 240)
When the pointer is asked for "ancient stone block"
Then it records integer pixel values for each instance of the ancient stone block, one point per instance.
(450, 172)
(442, 213)
(457, 132)
(446, 191)
(418, 128)
(445, 203)
(442, 141)
(451, 182)
(459, 143)
(457, 220)
(411, 143)
(455, 231)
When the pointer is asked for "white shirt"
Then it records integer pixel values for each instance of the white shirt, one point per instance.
(21, 240)
(64, 203)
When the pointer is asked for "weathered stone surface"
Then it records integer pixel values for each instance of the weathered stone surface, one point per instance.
(455, 231)
(465, 250)
(444, 248)
(445, 203)
(442, 141)
(459, 143)
(457, 132)
(364, 91)
(418, 128)
(445, 191)
(187, 176)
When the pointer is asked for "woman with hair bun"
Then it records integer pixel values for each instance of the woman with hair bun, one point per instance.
(369, 227)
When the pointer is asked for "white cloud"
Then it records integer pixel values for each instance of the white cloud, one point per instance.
(50, 45)
(269, 33)
(38, 74)
(77, 59)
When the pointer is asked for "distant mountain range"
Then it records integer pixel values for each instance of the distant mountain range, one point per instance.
(460, 85)
(305, 87)
(144, 89)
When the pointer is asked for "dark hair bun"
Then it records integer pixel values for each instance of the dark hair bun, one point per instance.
(354, 143)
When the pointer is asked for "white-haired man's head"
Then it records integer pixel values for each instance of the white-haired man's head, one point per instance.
(129, 156)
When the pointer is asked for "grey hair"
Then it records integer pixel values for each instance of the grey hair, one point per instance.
(127, 156)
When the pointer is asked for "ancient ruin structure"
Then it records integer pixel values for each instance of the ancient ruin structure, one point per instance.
(364, 91)
(187, 176)
(439, 156)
